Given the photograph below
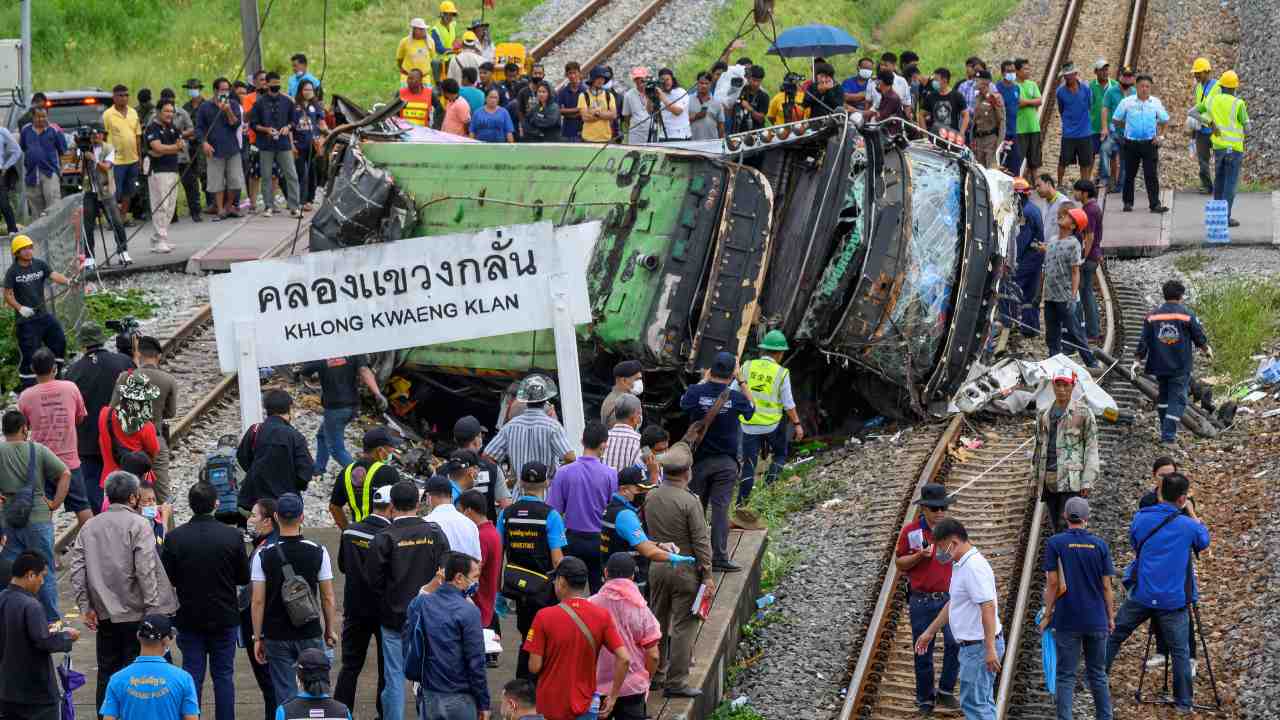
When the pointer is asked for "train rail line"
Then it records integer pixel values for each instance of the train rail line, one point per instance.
(622, 18)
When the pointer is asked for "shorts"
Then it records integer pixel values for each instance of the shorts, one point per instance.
(1029, 147)
(126, 177)
(1076, 151)
(224, 174)
(76, 499)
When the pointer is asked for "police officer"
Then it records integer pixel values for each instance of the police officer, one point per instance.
(356, 482)
(770, 385)
(24, 292)
(622, 531)
(314, 702)
(1167, 336)
(533, 542)
(359, 604)
(468, 434)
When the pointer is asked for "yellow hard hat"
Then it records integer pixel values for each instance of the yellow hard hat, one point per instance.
(469, 37)
(448, 7)
(1229, 79)
(1201, 65)
(19, 242)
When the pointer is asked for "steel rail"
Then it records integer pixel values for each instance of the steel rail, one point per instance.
(625, 34)
(566, 29)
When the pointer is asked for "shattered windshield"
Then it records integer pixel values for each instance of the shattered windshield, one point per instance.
(918, 324)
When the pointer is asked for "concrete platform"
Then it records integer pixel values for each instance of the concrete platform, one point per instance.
(733, 604)
(252, 238)
(1140, 233)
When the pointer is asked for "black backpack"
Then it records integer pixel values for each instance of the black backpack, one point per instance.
(17, 510)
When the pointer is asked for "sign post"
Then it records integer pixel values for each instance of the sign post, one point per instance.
(570, 376)
(250, 383)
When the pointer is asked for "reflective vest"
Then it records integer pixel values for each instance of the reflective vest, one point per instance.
(359, 510)
(611, 542)
(765, 378)
(446, 33)
(417, 106)
(524, 535)
(1228, 131)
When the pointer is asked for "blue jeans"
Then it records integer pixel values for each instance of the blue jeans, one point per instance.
(445, 706)
(91, 469)
(37, 536)
(330, 440)
(1060, 324)
(218, 648)
(1087, 309)
(1226, 173)
(393, 661)
(778, 445)
(282, 661)
(977, 683)
(923, 610)
(1174, 626)
(1171, 402)
(1110, 149)
(1094, 645)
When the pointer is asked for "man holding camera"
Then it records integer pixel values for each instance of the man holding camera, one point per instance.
(96, 159)
(164, 145)
(753, 103)
(1160, 581)
(674, 103)
(637, 110)
(786, 105)
(218, 122)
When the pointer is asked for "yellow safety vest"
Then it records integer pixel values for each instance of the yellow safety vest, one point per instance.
(447, 34)
(1201, 95)
(359, 510)
(765, 378)
(1228, 132)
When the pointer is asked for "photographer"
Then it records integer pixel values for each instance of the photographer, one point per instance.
(824, 96)
(785, 106)
(96, 159)
(752, 108)
(218, 122)
(164, 144)
(674, 101)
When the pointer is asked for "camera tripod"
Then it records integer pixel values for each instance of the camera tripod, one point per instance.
(104, 206)
(655, 119)
(1196, 631)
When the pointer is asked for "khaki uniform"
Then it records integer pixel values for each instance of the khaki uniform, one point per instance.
(988, 129)
(673, 514)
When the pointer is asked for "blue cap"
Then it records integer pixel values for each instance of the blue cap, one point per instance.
(289, 506)
(724, 364)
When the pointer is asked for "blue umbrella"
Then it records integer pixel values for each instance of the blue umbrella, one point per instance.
(814, 41)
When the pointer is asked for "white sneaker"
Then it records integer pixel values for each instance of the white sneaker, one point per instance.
(124, 258)
(1156, 661)
(88, 263)
(163, 248)
(268, 213)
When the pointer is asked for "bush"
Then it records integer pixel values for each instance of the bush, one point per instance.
(1240, 316)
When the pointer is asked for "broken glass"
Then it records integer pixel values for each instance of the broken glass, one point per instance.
(841, 272)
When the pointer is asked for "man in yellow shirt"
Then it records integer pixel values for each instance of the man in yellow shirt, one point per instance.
(597, 109)
(415, 52)
(794, 110)
(124, 132)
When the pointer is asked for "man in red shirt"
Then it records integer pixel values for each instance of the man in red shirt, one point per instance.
(563, 644)
(930, 582)
(473, 505)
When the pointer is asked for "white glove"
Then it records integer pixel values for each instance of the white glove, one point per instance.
(25, 311)
(1134, 369)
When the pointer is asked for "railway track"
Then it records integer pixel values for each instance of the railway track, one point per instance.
(623, 19)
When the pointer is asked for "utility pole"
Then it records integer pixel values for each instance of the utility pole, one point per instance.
(249, 33)
(26, 50)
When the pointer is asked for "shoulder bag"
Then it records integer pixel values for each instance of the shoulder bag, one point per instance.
(295, 592)
(698, 429)
(591, 639)
(17, 510)
(1131, 577)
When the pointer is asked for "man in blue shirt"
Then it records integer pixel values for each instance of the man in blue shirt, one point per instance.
(300, 74)
(1079, 561)
(445, 643)
(1168, 335)
(1023, 311)
(272, 119)
(715, 464)
(42, 146)
(855, 88)
(1142, 119)
(1160, 581)
(622, 531)
(1010, 93)
(218, 126)
(1113, 141)
(567, 99)
(1074, 102)
(151, 688)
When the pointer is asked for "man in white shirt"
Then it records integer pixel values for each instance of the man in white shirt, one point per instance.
(462, 533)
(973, 614)
(889, 61)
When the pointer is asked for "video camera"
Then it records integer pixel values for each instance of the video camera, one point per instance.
(84, 138)
(652, 86)
(127, 328)
(791, 83)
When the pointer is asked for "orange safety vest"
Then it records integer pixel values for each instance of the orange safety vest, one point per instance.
(417, 106)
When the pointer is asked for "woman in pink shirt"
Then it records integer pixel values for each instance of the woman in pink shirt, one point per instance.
(640, 632)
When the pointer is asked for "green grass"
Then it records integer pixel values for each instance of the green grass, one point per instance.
(1188, 263)
(943, 32)
(1254, 186)
(1241, 317)
(161, 43)
(725, 712)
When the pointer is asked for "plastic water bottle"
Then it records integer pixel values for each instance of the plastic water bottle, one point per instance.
(738, 702)
(765, 601)
(594, 710)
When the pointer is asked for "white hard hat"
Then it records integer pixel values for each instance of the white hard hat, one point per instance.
(418, 23)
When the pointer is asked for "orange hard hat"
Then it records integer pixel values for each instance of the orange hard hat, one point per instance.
(1079, 217)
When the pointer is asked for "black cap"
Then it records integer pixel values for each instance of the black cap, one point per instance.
(467, 428)
(983, 75)
(724, 364)
(620, 565)
(934, 496)
(573, 570)
(627, 368)
(149, 345)
(632, 475)
(289, 506)
(461, 460)
(380, 436)
(404, 493)
(533, 473)
(193, 84)
(155, 627)
(439, 485)
(313, 660)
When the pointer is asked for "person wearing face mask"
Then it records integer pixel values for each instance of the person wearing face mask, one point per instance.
(855, 88)
(354, 486)
(261, 527)
(628, 379)
(468, 434)
(770, 385)
(403, 558)
(943, 105)
(462, 533)
(445, 644)
(622, 532)
(1010, 93)
(359, 605)
(930, 583)
(309, 132)
(300, 74)
(116, 577)
(272, 118)
(973, 614)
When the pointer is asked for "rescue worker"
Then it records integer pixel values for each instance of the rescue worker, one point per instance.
(1066, 456)
(770, 385)
(34, 325)
(533, 542)
(1168, 334)
(988, 121)
(622, 531)
(1206, 88)
(1224, 114)
(415, 51)
(444, 39)
(357, 481)
(417, 99)
(468, 434)
(359, 606)
(314, 700)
